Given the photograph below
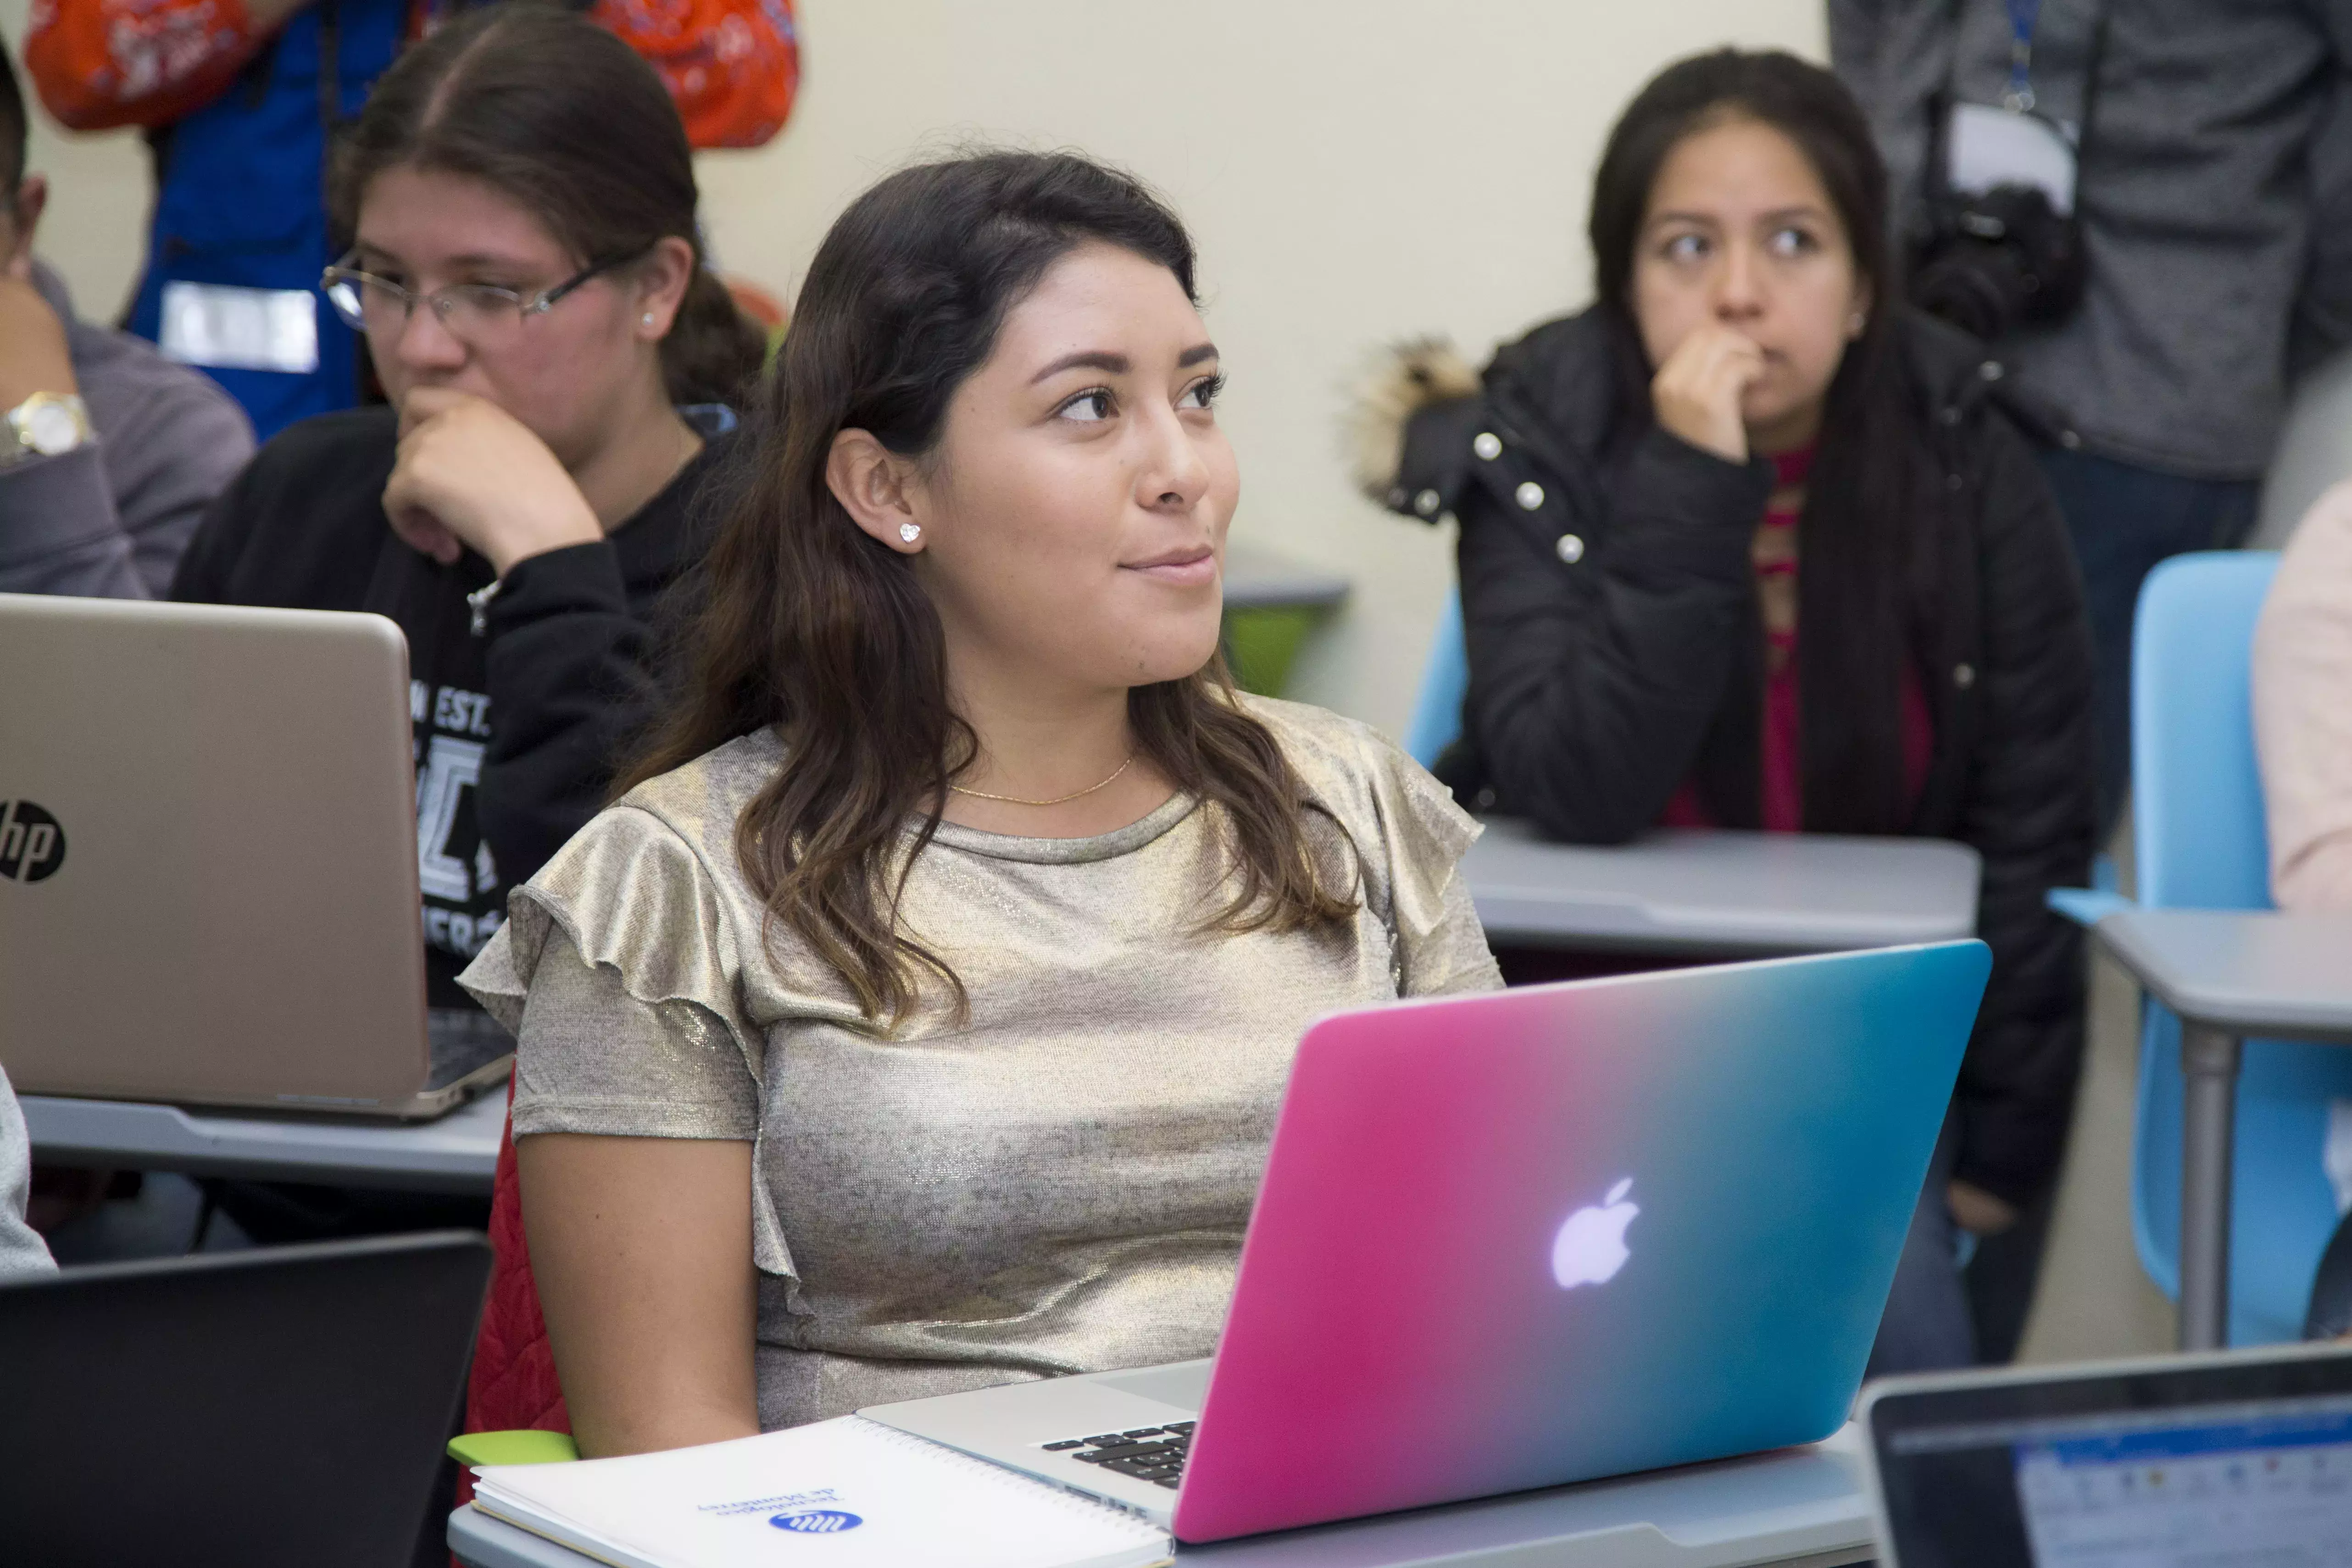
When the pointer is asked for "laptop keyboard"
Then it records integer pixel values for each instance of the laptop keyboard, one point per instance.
(462, 1039)
(1154, 1454)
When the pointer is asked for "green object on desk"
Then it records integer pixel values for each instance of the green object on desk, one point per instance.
(523, 1447)
(1261, 644)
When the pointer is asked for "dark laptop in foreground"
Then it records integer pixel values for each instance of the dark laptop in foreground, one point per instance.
(208, 850)
(2240, 1459)
(284, 1407)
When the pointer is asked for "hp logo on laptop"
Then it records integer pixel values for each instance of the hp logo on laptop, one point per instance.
(817, 1521)
(32, 845)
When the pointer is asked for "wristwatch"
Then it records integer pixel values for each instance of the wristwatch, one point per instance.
(45, 425)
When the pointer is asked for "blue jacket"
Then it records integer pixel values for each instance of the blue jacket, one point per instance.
(241, 204)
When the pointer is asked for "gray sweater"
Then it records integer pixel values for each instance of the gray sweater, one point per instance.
(2213, 150)
(109, 520)
(21, 1251)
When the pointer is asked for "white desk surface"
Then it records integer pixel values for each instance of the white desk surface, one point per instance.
(1720, 892)
(1259, 580)
(1807, 1505)
(2249, 971)
(457, 1152)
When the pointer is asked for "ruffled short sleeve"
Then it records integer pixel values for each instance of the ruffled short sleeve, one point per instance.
(619, 970)
(629, 894)
(590, 1057)
(1409, 837)
(1440, 946)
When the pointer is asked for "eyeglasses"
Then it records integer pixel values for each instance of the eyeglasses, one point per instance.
(481, 315)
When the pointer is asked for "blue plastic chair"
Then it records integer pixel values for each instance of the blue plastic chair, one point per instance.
(2200, 843)
(1437, 711)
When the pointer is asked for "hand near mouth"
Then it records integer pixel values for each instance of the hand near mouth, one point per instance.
(1697, 391)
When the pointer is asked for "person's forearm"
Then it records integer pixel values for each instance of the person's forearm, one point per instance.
(568, 676)
(22, 1251)
(1589, 708)
(641, 1248)
(59, 533)
(2320, 880)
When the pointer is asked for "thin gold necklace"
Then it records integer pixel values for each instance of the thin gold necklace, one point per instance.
(1017, 800)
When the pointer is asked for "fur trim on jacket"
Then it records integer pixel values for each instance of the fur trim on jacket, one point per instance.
(1399, 382)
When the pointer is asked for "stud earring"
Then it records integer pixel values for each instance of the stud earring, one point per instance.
(1855, 322)
(910, 531)
(648, 318)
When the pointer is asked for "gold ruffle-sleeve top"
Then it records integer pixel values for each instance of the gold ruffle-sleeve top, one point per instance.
(1058, 1184)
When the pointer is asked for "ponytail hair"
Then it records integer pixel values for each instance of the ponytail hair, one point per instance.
(565, 119)
(714, 351)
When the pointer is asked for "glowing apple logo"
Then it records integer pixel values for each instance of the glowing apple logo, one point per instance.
(1590, 1247)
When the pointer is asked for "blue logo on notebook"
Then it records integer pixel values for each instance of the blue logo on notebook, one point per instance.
(817, 1521)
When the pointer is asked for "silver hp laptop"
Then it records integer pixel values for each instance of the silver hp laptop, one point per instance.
(208, 863)
(1534, 1237)
(2239, 1460)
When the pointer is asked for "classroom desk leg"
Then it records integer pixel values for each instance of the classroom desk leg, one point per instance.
(2209, 1067)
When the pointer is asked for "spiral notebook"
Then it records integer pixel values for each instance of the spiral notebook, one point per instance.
(848, 1493)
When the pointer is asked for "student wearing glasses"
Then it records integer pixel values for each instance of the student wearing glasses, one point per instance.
(525, 271)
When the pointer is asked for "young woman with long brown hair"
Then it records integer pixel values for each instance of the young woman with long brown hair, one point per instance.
(917, 1020)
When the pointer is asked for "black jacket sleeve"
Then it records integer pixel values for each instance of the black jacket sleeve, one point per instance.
(2027, 810)
(570, 664)
(300, 524)
(1593, 682)
(203, 574)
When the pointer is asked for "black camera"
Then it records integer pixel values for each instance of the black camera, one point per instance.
(1998, 259)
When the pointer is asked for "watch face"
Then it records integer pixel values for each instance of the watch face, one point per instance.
(51, 429)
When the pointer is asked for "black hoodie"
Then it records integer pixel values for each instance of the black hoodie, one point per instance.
(516, 730)
(1599, 668)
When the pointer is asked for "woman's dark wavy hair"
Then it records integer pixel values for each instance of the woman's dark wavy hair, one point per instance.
(568, 122)
(812, 627)
(1858, 537)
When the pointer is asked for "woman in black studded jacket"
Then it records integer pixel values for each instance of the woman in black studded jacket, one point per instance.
(1637, 487)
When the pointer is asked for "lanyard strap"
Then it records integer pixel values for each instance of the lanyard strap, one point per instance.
(2024, 16)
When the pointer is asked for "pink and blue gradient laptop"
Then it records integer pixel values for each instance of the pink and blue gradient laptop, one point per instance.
(1535, 1236)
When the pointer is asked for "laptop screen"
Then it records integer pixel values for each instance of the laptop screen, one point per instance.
(2222, 1467)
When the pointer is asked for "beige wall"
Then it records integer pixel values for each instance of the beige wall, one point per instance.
(1354, 174)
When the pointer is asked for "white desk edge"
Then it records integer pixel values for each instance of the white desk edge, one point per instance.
(1528, 890)
(1588, 1521)
(457, 1152)
(2241, 1009)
